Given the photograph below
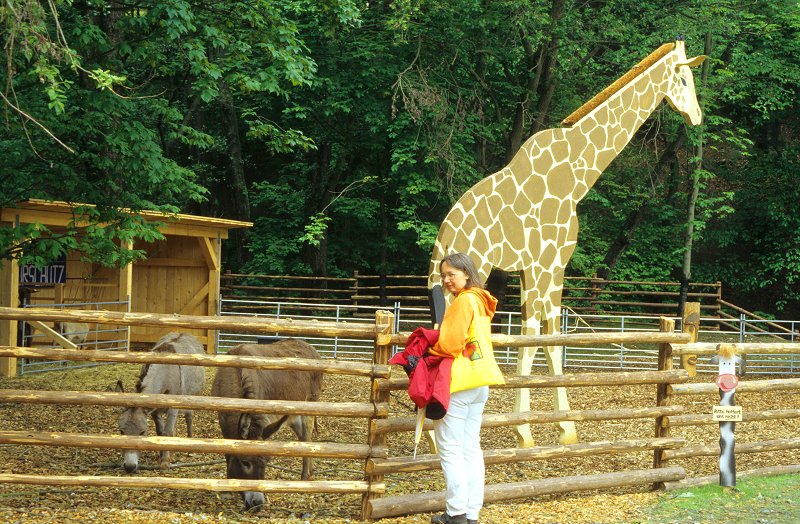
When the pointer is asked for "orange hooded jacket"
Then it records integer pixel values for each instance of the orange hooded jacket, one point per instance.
(454, 331)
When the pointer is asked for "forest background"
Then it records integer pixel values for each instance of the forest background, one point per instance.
(346, 129)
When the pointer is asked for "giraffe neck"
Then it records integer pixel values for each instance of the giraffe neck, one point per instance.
(611, 126)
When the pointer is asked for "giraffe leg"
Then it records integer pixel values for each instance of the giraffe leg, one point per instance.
(567, 433)
(522, 400)
(530, 325)
(431, 437)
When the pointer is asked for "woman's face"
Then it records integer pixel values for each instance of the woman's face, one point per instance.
(454, 279)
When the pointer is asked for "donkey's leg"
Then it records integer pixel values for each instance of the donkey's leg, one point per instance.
(187, 415)
(169, 431)
(302, 425)
(566, 430)
(158, 420)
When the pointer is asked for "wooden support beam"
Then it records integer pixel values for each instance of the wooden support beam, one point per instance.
(663, 392)
(612, 378)
(384, 327)
(300, 364)
(690, 324)
(209, 252)
(265, 486)
(505, 456)
(9, 298)
(575, 339)
(434, 501)
(200, 297)
(751, 386)
(52, 334)
(108, 398)
(272, 448)
(702, 450)
(399, 424)
(287, 327)
(744, 348)
(675, 421)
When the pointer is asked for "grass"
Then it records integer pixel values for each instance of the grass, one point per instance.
(757, 500)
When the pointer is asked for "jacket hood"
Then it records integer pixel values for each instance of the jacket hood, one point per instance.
(485, 298)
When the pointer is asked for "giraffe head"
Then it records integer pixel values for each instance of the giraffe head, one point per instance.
(680, 90)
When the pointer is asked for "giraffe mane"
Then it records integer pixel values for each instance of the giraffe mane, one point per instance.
(621, 82)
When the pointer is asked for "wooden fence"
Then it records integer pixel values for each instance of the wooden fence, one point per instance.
(351, 451)
(581, 294)
(375, 454)
(747, 389)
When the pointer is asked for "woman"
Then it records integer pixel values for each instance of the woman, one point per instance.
(465, 331)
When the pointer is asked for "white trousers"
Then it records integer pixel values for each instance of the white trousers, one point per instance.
(458, 437)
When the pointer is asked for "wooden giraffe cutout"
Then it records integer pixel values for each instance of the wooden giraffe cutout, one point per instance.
(523, 218)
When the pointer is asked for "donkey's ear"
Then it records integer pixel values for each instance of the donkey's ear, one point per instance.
(273, 427)
(119, 388)
(245, 420)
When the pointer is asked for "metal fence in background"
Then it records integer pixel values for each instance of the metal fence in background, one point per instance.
(628, 357)
(103, 337)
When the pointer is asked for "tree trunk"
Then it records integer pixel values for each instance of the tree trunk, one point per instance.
(317, 255)
(548, 63)
(533, 71)
(238, 196)
(634, 219)
(686, 274)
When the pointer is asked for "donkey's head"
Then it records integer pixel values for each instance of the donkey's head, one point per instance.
(133, 423)
(252, 427)
(681, 93)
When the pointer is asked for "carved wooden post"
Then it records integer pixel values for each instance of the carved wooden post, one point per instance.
(690, 324)
(384, 326)
(663, 392)
(727, 381)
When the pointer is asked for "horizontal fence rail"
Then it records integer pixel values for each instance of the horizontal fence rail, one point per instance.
(266, 486)
(194, 445)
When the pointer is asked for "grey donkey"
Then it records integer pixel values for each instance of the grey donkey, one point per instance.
(162, 378)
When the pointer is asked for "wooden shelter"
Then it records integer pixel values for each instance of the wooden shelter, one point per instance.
(180, 274)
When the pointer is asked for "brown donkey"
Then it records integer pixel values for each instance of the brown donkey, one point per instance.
(265, 384)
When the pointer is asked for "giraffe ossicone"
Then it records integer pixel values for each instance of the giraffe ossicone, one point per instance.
(523, 218)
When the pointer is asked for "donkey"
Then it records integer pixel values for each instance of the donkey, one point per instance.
(266, 384)
(162, 378)
(75, 332)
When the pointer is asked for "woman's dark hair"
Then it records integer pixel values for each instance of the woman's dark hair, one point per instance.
(461, 261)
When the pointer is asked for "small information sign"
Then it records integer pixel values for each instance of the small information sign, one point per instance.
(727, 413)
(55, 273)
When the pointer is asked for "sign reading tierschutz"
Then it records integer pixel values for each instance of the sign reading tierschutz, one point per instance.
(55, 273)
(727, 413)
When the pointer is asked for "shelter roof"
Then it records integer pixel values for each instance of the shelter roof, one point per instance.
(54, 213)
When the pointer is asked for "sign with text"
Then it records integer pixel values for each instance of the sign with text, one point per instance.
(55, 273)
(727, 413)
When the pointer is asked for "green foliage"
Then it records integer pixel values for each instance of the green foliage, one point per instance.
(346, 130)
(753, 500)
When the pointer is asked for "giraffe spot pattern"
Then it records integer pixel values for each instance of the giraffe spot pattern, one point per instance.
(524, 217)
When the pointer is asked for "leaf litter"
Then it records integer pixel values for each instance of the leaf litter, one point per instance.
(26, 504)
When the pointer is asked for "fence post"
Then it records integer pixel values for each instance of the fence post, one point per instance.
(663, 393)
(384, 327)
(354, 294)
(690, 323)
(742, 327)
